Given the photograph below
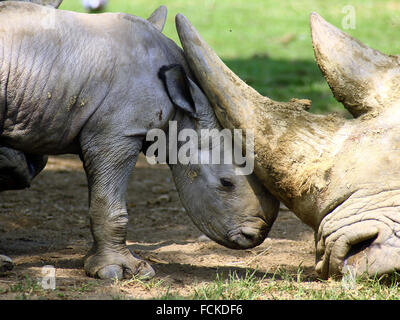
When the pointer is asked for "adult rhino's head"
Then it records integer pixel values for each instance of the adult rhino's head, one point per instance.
(341, 177)
(232, 209)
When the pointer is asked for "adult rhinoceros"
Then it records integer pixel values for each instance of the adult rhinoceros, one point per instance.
(92, 85)
(341, 177)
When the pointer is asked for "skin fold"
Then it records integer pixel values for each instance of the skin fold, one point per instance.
(91, 85)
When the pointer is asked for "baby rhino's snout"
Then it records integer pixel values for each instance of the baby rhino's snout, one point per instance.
(248, 236)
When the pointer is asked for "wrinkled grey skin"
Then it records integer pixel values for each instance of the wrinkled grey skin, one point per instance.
(90, 85)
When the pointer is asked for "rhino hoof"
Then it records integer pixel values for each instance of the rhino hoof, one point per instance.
(6, 263)
(144, 271)
(116, 265)
(111, 272)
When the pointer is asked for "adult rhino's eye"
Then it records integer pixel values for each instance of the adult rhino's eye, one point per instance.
(226, 182)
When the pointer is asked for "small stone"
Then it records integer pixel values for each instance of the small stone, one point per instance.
(159, 189)
(160, 199)
(203, 238)
(163, 198)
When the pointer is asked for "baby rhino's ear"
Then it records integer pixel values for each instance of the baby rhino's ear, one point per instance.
(183, 92)
(158, 18)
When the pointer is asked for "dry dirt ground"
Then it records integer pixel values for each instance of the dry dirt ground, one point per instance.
(48, 224)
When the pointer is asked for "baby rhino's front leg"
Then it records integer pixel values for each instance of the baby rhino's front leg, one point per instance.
(108, 167)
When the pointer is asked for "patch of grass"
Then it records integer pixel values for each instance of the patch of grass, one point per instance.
(285, 285)
(127, 288)
(153, 283)
(361, 288)
(85, 287)
(168, 295)
(26, 288)
(282, 80)
(247, 287)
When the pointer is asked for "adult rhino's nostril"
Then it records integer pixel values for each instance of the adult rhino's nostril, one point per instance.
(358, 248)
(357, 258)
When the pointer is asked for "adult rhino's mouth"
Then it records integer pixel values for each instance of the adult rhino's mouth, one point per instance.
(362, 235)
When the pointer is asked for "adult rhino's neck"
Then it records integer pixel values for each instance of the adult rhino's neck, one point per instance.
(313, 176)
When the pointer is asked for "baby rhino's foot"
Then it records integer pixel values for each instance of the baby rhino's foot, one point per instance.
(116, 265)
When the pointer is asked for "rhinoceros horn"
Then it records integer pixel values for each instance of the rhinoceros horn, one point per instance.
(363, 79)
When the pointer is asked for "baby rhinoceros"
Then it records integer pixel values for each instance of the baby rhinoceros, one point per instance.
(91, 85)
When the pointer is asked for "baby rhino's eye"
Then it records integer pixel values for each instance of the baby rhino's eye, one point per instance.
(226, 182)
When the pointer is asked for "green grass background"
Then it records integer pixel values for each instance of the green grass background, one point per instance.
(268, 43)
